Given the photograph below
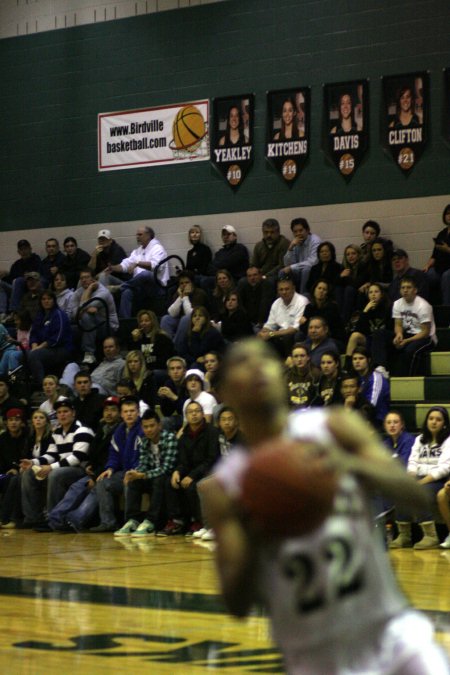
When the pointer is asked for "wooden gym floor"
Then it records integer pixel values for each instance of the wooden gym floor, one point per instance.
(84, 603)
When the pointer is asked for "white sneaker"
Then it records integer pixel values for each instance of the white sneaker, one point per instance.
(89, 358)
(446, 542)
(145, 529)
(209, 535)
(128, 529)
(199, 534)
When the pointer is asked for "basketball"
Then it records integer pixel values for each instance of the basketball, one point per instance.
(287, 489)
(188, 128)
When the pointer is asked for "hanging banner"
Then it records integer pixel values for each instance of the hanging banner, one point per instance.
(232, 125)
(405, 116)
(446, 114)
(169, 134)
(288, 115)
(346, 125)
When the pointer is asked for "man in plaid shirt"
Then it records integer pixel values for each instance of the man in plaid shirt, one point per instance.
(158, 456)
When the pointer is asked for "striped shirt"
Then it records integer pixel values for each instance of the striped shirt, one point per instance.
(68, 448)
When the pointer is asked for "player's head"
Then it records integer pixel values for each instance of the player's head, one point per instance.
(251, 377)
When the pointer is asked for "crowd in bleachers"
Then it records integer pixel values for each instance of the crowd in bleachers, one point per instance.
(109, 366)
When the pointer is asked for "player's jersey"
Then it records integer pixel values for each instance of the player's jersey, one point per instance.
(333, 585)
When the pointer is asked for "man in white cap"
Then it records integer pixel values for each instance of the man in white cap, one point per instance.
(232, 256)
(107, 252)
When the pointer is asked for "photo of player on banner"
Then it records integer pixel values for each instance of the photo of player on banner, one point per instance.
(232, 126)
(346, 112)
(288, 117)
(405, 117)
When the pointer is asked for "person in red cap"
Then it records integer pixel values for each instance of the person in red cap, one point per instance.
(13, 444)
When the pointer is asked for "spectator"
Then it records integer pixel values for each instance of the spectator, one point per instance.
(229, 433)
(352, 278)
(268, 254)
(64, 295)
(141, 264)
(52, 391)
(302, 253)
(370, 231)
(40, 437)
(50, 265)
(98, 319)
(373, 386)
(397, 439)
(302, 378)
(6, 400)
(31, 299)
(74, 261)
(429, 462)
(198, 257)
(443, 498)
(224, 284)
(327, 268)
(329, 386)
(80, 504)
(13, 444)
(354, 400)
(201, 338)
(126, 388)
(233, 256)
(14, 281)
(211, 365)
(171, 395)
(155, 345)
(9, 356)
(319, 340)
(198, 451)
(414, 331)
(50, 338)
(235, 323)
(88, 402)
(401, 269)
(187, 296)
(158, 456)
(376, 315)
(323, 305)
(257, 295)
(108, 372)
(107, 252)
(284, 317)
(143, 379)
(194, 383)
(438, 266)
(63, 463)
(123, 455)
(22, 323)
(379, 265)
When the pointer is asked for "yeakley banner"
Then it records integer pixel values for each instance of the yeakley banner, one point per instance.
(153, 136)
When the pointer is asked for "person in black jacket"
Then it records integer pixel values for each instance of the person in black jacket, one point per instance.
(13, 443)
(74, 261)
(88, 402)
(199, 256)
(107, 252)
(198, 450)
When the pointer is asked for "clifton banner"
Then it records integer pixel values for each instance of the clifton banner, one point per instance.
(153, 136)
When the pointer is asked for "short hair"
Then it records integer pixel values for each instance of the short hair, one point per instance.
(271, 222)
(322, 320)
(52, 239)
(69, 240)
(282, 278)
(149, 231)
(176, 358)
(300, 221)
(150, 414)
(83, 373)
(87, 270)
(373, 224)
(195, 403)
(112, 337)
(129, 400)
(186, 274)
(408, 280)
(301, 345)
(126, 382)
(349, 375)
(226, 409)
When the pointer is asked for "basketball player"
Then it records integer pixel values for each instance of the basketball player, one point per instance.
(333, 603)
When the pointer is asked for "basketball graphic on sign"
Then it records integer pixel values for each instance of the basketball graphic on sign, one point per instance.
(188, 129)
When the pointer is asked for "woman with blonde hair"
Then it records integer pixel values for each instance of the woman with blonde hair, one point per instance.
(136, 370)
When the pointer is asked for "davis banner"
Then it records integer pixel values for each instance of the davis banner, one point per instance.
(232, 125)
(288, 115)
(404, 117)
(346, 115)
(153, 136)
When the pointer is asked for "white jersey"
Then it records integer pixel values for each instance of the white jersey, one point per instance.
(331, 593)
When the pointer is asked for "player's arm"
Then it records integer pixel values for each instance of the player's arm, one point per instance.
(235, 553)
(365, 456)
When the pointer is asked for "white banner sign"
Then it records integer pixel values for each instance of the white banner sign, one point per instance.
(152, 136)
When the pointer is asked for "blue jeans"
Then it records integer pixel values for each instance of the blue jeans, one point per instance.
(78, 506)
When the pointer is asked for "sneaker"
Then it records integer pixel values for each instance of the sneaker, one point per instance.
(12, 526)
(199, 534)
(103, 528)
(145, 529)
(128, 529)
(172, 527)
(193, 528)
(445, 543)
(89, 358)
(209, 535)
